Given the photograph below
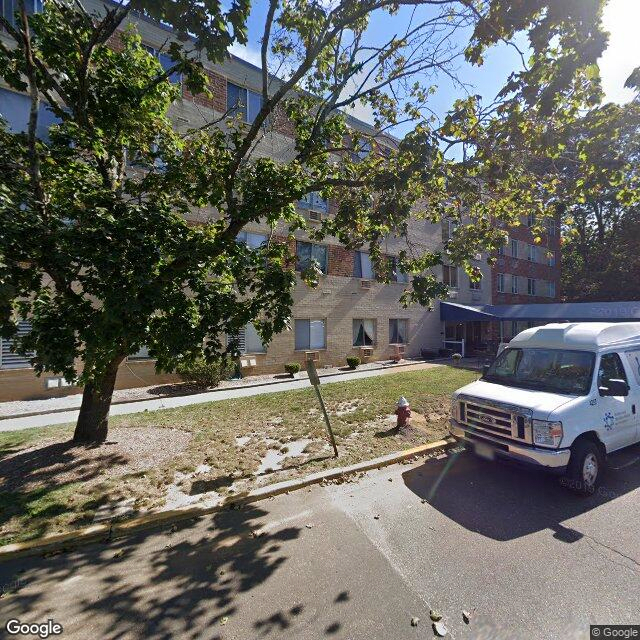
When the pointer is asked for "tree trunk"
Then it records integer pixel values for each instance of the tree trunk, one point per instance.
(93, 420)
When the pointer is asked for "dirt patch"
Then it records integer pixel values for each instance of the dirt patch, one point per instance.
(56, 461)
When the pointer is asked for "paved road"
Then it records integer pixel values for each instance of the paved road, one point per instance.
(63, 417)
(526, 558)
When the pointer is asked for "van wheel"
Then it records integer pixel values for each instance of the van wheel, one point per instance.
(586, 467)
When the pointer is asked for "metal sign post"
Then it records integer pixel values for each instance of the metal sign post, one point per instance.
(315, 381)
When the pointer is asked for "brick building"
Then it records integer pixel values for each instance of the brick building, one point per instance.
(349, 313)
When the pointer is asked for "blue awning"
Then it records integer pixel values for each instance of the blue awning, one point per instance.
(552, 312)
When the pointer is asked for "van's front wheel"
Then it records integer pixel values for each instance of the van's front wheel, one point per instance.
(586, 467)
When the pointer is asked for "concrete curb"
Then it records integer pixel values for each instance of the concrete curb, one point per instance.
(407, 363)
(108, 531)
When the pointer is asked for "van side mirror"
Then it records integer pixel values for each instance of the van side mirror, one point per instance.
(485, 369)
(614, 388)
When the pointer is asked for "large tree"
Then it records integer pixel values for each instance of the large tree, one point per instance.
(99, 255)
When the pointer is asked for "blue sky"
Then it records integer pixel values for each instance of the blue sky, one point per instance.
(621, 19)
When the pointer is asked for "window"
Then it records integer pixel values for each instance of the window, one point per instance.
(551, 258)
(362, 267)
(165, 62)
(451, 227)
(531, 252)
(314, 201)
(307, 251)
(244, 101)
(397, 331)
(450, 276)
(611, 368)
(141, 354)
(500, 283)
(8, 8)
(550, 224)
(252, 240)
(552, 289)
(514, 283)
(10, 360)
(396, 274)
(364, 333)
(14, 108)
(531, 286)
(501, 250)
(531, 219)
(475, 285)
(249, 341)
(310, 334)
(514, 248)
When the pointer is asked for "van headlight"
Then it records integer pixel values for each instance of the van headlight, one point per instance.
(546, 433)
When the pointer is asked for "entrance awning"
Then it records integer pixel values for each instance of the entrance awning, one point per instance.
(628, 311)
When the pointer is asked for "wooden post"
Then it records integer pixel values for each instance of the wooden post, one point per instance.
(315, 382)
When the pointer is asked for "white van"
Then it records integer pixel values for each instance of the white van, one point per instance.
(560, 396)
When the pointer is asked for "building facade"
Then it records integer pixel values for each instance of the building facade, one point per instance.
(349, 313)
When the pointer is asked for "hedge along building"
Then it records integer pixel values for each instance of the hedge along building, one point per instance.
(349, 313)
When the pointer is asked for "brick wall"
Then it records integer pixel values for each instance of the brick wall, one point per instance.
(217, 86)
(340, 261)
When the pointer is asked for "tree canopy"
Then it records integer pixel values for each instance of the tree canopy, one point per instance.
(99, 254)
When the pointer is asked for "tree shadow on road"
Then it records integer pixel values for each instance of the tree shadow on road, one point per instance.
(503, 501)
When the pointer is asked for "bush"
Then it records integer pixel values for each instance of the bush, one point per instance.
(206, 374)
(353, 361)
(292, 368)
(456, 357)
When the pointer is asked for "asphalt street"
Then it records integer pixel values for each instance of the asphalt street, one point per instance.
(526, 558)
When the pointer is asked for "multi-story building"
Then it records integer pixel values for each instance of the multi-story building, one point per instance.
(349, 313)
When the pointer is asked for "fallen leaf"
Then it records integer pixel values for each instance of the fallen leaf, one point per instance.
(414, 622)
(435, 616)
(309, 526)
(466, 616)
(224, 620)
(439, 629)
(390, 479)
(118, 554)
(376, 517)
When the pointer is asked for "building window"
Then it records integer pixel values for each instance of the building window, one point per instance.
(475, 285)
(531, 252)
(550, 224)
(397, 331)
(165, 62)
(307, 251)
(141, 354)
(243, 101)
(314, 201)
(8, 8)
(514, 248)
(450, 276)
(252, 240)
(396, 274)
(500, 283)
(10, 360)
(362, 267)
(364, 333)
(448, 229)
(552, 289)
(248, 340)
(531, 219)
(501, 250)
(310, 334)
(514, 283)
(514, 328)
(551, 258)
(531, 286)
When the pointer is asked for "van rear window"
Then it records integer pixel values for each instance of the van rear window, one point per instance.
(553, 370)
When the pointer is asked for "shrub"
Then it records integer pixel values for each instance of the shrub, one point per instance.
(457, 357)
(206, 374)
(353, 361)
(292, 368)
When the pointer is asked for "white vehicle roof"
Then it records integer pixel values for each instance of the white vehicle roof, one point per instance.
(584, 336)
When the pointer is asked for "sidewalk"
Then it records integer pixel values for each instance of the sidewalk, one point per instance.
(57, 416)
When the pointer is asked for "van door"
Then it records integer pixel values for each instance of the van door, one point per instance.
(616, 415)
(633, 365)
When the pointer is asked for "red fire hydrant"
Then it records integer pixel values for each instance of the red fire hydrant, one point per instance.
(403, 411)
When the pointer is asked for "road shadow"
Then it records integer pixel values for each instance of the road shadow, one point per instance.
(186, 579)
(503, 501)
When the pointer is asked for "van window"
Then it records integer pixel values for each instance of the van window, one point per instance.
(554, 370)
(610, 369)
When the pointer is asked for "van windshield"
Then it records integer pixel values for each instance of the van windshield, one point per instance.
(554, 370)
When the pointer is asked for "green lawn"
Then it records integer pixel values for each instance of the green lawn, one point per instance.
(48, 485)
